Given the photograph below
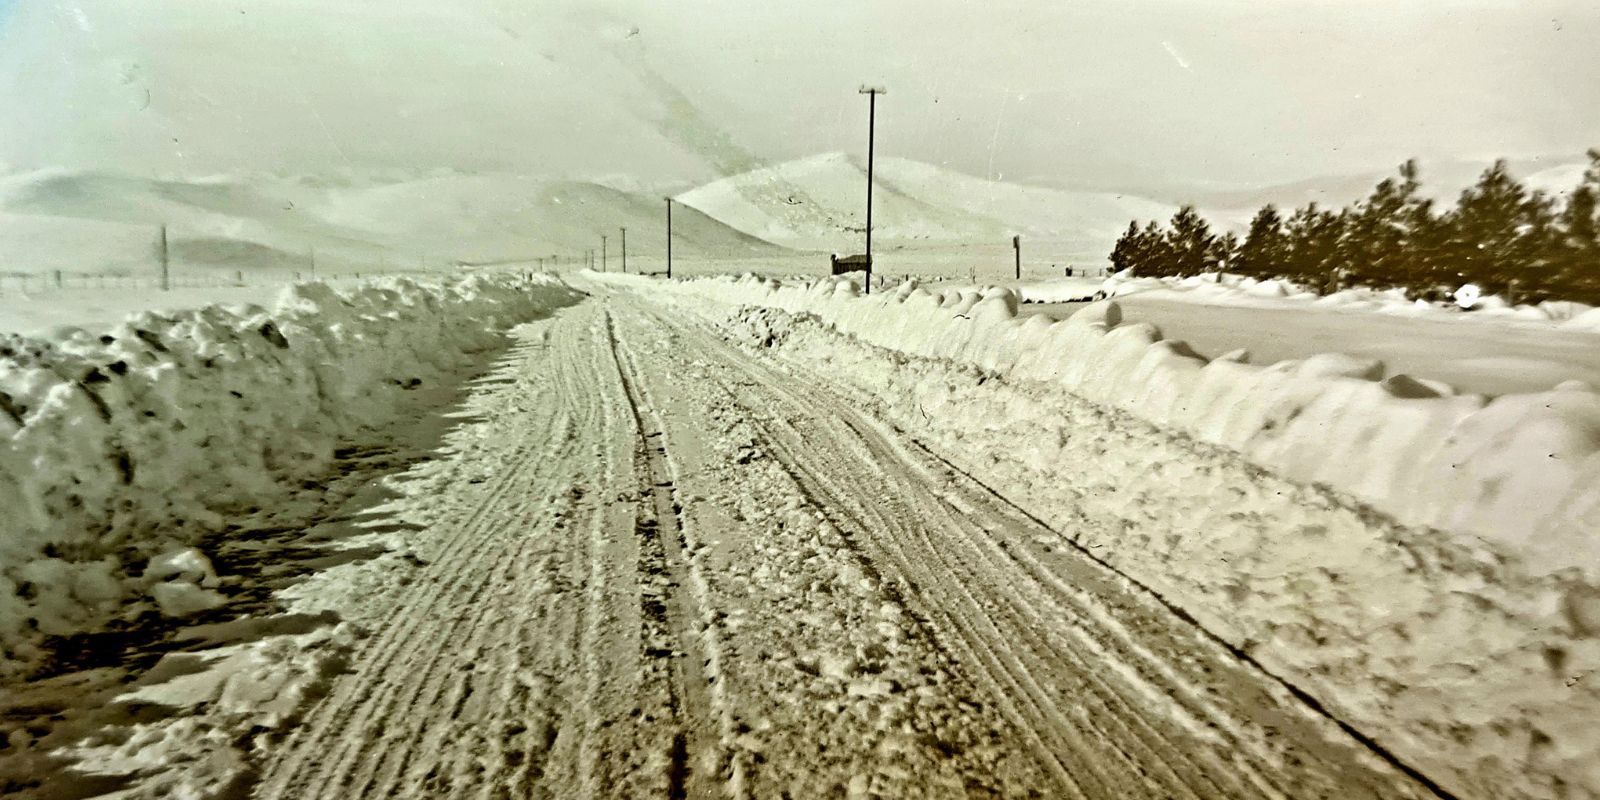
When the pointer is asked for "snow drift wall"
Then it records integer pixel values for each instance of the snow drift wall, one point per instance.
(1522, 470)
(119, 450)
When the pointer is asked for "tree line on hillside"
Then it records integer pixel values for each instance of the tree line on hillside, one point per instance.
(1527, 245)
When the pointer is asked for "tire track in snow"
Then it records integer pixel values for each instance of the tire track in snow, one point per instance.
(1284, 692)
(394, 727)
(669, 611)
(329, 743)
(1209, 741)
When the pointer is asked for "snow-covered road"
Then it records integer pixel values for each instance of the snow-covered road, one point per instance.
(656, 559)
(664, 566)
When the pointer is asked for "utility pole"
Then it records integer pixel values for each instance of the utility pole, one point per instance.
(872, 93)
(669, 238)
(602, 252)
(311, 258)
(624, 251)
(166, 273)
(1016, 247)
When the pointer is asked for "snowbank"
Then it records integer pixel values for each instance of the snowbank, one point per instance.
(1520, 470)
(119, 450)
(1441, 649)
(1236, 290)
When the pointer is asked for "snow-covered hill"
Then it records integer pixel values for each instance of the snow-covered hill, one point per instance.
(93, 221)
(1442, 180)
(819, 203)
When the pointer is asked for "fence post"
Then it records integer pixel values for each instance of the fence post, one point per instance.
(166, 274)
(58, 279)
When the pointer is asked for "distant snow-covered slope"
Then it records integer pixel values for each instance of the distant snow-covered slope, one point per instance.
(1442, 180)
(819, 202)
(95, 221)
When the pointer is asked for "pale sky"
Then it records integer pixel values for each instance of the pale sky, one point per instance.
(1110, 92)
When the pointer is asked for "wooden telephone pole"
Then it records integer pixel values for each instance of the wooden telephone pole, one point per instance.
(166, 272)
(872, 93)
(1016, 247)
(624, 250)
(669, 238)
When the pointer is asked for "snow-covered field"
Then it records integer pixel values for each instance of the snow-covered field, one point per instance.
(1495, 349)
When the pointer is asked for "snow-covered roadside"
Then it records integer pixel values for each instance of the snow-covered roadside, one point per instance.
(1520, 470)
(1442, 650)
(118, 451)
(1468, 656)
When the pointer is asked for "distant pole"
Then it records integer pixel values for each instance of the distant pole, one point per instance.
(669, 238)
(624, 250)
(1016, 248)
(311, 258)
(58, 279)
(872, 93)
(166, 271)
(603, 258)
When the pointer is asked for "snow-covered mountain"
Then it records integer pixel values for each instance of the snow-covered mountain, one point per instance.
(819, 202)
(90, 221)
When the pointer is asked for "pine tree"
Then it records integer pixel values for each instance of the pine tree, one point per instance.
(1575, 256)
(1151, 251)
(1530, 273)
(1190, 243)
(1485, 238)
(1124, 254)
(1314, 239)
(1224, 254)
(1265, 247)
(1375, 245)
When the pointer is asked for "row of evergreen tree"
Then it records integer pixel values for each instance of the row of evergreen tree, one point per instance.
(1499, 235)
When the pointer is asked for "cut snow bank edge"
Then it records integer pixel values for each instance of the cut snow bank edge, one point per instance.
(118, 451)
(1520, 470)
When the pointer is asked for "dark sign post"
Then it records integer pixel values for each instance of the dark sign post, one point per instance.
(872, 93)
(1016, 248)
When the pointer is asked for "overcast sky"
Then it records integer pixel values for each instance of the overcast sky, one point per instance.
(1220, 92)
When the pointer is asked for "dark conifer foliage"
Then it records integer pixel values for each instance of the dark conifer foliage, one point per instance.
(1499, 235)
